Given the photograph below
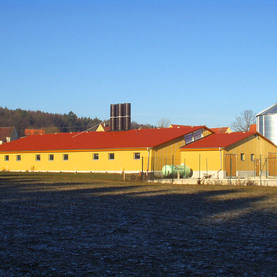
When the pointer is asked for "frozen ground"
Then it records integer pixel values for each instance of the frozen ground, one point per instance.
(136, 229)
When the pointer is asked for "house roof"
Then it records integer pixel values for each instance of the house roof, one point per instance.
(221, 129)
(29, 132)
(219, 140)
(5, 132)
(98, 140)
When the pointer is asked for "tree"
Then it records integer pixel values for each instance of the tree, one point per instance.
(163, 123)
(243, 122)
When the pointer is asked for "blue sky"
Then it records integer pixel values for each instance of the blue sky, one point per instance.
(192, 62)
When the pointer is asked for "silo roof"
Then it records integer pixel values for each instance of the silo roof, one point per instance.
(271, 110)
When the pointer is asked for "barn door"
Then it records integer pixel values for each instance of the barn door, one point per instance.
(231, 164)
(272, 164)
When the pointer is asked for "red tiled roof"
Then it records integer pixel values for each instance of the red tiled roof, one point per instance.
(29, 132)
(98, 140)
(220, 130)
(219, 140)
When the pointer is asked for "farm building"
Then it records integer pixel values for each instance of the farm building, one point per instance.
(115, 151)
(221, 155)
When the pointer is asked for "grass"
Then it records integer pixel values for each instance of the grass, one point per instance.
(66, 224)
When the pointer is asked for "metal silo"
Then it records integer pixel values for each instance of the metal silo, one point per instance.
(113, 117)
(120, 117)
(127, 122)
(267, 123)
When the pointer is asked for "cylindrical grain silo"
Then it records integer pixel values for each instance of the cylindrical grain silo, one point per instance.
(127, 125)
(120, 117)
(267, 123)
(113, 117)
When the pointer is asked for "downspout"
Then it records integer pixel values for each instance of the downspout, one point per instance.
(220, 162)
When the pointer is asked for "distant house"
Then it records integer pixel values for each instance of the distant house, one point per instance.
(30, 132)
(8, 134)
(222, 130)
(103, 128)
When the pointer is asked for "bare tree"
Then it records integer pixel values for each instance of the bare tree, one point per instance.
(163, 123)
(243, 122)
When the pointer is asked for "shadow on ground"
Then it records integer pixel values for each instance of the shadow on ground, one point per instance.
(82, 229)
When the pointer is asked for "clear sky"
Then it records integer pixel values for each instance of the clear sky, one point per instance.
(193, 62)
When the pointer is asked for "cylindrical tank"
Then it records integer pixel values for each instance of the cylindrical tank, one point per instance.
(127, 121)
(267, 123)
(113, 116)
(171, 170)
(120, 117)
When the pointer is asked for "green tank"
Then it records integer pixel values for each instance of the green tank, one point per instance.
(171, 171)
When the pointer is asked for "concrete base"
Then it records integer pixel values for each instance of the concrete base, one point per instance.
(232, 182)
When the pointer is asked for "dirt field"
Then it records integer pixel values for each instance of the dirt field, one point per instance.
(84, 225)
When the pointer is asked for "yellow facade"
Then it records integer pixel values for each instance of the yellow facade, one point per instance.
(109, 160)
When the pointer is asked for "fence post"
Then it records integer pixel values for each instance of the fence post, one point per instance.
(199, 165)
(141, 168)
(153, 167)
(172, 167)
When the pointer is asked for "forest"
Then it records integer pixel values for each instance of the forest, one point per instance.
(52, 123)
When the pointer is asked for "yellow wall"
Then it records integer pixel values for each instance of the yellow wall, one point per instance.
(203, 160)
(77, 161)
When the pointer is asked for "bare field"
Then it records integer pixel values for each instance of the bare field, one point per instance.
(98, 225)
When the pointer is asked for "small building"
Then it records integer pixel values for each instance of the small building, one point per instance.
(30, 132)
(222, 155)
(103, 128)
(8, 134)
(222, 130)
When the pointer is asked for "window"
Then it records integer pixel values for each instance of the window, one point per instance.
(252, 157)
(51, 157)
(65, 157)
(96, 156)
(37, 157)
(137, 156)
(6, 158)
(18, 157)
(111, 156)
(242, 157)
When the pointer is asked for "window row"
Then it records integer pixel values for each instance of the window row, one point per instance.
(95, 156)
(242, 157)
(37, 157)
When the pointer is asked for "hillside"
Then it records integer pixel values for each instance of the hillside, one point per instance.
(23, 119)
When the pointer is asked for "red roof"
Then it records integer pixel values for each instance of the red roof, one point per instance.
(220, 130)
(98, 140)
(30, 132)
(219, 140)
